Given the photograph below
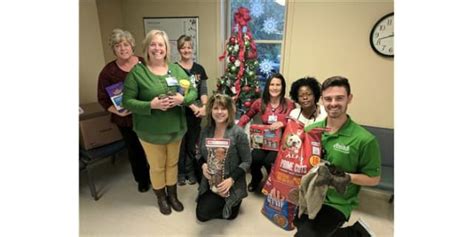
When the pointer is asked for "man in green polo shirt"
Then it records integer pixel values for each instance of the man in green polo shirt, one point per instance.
(350, 148)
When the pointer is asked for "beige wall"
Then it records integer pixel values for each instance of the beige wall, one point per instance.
(110, 17)
(325, 38)
(91, 56)
(128, 14)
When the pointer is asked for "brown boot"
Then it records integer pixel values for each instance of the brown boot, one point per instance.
(162, 203)
(173, 198)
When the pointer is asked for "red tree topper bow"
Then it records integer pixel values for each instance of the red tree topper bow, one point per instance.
(242, 16)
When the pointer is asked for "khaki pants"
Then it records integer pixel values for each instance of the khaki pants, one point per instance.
(163, 161)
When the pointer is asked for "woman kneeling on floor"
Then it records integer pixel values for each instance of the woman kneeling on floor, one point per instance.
(225, 158)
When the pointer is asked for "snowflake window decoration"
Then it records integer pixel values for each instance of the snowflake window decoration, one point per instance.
(266, 66)
(270, 25)
(256, 8)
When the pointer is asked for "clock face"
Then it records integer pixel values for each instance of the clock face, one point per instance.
(381, 37)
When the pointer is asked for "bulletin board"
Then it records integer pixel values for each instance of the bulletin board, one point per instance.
(175, 27)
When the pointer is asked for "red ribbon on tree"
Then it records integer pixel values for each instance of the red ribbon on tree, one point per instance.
(241, 18)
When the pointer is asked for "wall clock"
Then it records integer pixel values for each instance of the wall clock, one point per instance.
(381, 36)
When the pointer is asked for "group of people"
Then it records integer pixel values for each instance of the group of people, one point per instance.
(167, 147)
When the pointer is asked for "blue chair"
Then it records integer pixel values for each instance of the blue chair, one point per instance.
(89, 158)
(386, 142)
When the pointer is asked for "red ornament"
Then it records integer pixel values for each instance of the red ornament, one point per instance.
(251, 54)
(257, 90)
(232, 40)
(246, 89)
(247, 104)
(232, 58)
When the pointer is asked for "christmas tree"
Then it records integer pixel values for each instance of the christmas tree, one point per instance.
(240, 78)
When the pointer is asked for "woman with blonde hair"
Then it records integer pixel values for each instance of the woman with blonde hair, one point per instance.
(150, 93)
(187, 166)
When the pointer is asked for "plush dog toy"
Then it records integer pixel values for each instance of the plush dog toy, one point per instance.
(334, 177)
(314, 186)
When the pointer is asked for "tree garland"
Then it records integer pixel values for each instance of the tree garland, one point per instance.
(240, 77)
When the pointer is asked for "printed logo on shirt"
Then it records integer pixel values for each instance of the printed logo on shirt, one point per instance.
(341, 147)
(193, 80)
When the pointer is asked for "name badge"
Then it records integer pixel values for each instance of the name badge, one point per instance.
(171, 81)
(193, 80)
(272, 118)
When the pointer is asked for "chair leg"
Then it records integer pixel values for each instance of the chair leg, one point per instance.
(391, 198)
(91, 184)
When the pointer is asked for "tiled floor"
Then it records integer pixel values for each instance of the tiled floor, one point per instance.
(123, 211)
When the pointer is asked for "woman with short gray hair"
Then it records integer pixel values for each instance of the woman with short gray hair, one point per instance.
(113, 74)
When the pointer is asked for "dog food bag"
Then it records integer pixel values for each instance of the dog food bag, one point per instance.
(298, 153)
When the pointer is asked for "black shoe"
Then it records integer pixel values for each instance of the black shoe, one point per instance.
(192, 180)
(181, 181)
(143, 187)
(252, 187)
(363, 229)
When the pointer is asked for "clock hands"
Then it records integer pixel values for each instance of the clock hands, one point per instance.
(388, 36)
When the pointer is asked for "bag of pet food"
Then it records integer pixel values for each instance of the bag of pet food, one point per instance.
(298, 153)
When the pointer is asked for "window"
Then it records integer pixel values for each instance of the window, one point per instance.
(267, 28)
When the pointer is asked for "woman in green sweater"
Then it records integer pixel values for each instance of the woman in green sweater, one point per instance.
(150, 93)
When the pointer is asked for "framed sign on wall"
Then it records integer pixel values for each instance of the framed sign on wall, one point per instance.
(175, 27)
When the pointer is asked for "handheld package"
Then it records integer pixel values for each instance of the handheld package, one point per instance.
(183, 87)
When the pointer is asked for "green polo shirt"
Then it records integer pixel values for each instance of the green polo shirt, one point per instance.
(154, 125)
(354, 150)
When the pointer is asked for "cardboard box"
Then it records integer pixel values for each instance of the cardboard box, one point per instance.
(95, 128)
(91, 110)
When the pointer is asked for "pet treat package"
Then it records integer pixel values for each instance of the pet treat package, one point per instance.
(217, 153)
(298, 153)
(261, 137)
(115, 93)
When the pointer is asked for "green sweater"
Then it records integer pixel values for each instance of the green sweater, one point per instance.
(153, 125)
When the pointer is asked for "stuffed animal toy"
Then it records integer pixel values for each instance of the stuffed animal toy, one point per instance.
(314, 186)
(334, 177)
